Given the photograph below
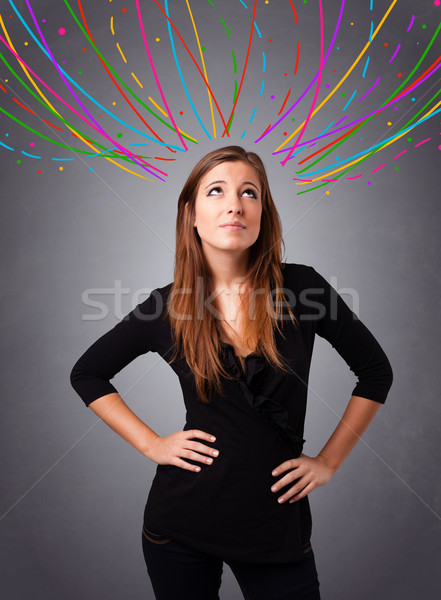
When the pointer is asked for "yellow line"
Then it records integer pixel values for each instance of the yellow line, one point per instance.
(158, 107)
(203, 65)
(55, 110)
(397, 137)
(121, 52)
(345, 77)
(111, 26)
(137, 80)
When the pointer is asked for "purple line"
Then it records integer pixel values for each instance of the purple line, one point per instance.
(395, 53)
(410, 24)
(369, 90)
(101, 130)
(312, 82)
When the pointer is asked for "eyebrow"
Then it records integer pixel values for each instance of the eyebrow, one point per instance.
(222, 181)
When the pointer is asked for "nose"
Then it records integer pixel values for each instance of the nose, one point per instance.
(235, 204)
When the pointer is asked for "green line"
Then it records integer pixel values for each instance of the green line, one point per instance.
(235, 91)
(60, 118)
(225, 25)
(119, 78)
(234, 61)
(372, 116)
(211, 2)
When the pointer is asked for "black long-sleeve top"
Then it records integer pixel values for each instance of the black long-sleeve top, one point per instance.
(228, 509)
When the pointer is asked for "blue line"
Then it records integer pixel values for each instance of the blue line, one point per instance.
(365, 66)
(373, 147)
(243, 134)
(180, 72)
(371, 32)
(31, 155)
(62, 159)
(243, 4)
(264, 62)
(257, 29)
(83, 91)
(254, 112)
(325, 130)
(372, 4)
(261, 89)
(8, 147)
(350, 100)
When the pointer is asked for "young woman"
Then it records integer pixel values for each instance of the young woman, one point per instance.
(237, 325)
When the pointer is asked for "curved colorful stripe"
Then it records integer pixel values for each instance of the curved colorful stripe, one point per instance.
(375, 84)
(141, 24)
(193, 108)
(395, 53)
(348, 72)
(143, 164)
(244, 69)
(317, 89)
(410, 24)
(267, 131)
(201, 54)
(83, 91)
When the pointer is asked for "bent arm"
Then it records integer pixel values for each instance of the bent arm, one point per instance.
(354, 422)
(118, 416)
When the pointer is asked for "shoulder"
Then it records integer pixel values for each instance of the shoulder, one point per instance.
(298, 275)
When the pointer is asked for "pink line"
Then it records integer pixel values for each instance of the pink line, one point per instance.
(400, 154)
(156, 76)
(319, 80)
(395, 53)
(297, 179)
(100, 129)
(356, 177)
(378, 168)
(410, 24)
(423, 142)
(68, 105)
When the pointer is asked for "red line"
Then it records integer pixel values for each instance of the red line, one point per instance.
(297, 59)
(3, 88)
(330, 144)
(295, 14)
(283, 105)
(23, 106)
(113, 79)
(193, 59)
(54, 126)
(244, 68)
(159, 158)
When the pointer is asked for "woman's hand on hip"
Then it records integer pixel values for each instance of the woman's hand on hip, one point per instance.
(308, 472)
(171, 449)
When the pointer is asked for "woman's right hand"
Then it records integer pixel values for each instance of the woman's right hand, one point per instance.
(170, 450)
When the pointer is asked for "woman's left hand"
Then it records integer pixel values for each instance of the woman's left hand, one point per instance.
(308, 471)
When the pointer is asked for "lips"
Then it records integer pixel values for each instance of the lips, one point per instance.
(233, 225)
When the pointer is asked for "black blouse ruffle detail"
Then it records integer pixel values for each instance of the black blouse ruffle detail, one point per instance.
(270, 409)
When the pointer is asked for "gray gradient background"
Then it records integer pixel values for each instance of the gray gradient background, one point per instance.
(73, 491)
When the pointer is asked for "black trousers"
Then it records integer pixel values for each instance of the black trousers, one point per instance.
(178, 572)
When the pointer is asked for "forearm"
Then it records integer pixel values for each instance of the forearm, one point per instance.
(354, 422)
(118, 416)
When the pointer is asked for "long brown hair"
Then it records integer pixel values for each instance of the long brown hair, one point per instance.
(196, 336)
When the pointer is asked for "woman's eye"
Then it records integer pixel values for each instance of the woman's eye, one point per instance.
(247, 191)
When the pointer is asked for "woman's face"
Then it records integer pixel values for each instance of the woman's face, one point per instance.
(231, 191)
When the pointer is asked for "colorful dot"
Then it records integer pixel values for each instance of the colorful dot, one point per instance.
(119, 135)
(270, 40)
(333, 70)
(80, 72)
(272, 97)
(352, 23)
(369, 182)
(90, 169)
(181, 112)
(203, 48)
(18, 161)
(124, 10)
(114, 103)
(386, 44)
(43, 20)
(32, 144)
(285, 133)
(389, 123)
(327, 85)
(266, 1)
(60, 168)
(343, 94)
(84, 49)
(424, 26)
(399, 74)
(39, 172)
(437, 2)
(158, 40)
(397, 168)
(409, 139)
(26, 43)
(337, 158)
(293, 119)
(327, 192)
(286, 74)
(413, 99)
(61, 31)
